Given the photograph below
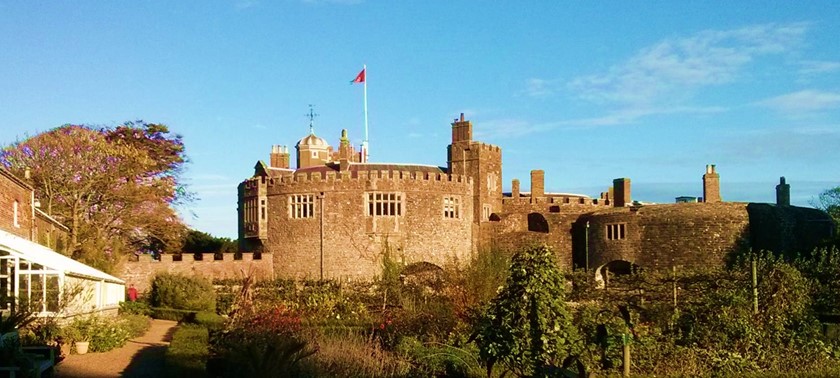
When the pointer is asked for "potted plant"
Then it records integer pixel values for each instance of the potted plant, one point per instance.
(66, 337)
(78, 333)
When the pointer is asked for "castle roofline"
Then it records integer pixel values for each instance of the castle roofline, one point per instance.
(548, 194)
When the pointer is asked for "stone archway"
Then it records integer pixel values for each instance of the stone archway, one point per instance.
(422, 273)
(537, 223)
(615, 267)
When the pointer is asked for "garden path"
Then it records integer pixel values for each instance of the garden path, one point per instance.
(140, 357)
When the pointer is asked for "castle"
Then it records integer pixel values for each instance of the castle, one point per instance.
(335, 215)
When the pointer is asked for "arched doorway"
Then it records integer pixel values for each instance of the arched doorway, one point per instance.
(537, 223)
(614, 268)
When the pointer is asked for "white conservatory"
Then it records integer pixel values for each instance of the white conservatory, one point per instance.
(52, 284)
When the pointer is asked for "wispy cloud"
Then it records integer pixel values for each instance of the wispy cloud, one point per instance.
(245, 4)
(806, 144)
(818, 67)
(804, 101)
(511, 128)
(707, 58)
(539, 88)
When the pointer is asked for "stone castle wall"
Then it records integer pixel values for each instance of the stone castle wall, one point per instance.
(140, 272)
(353, 242)
(661, 236)
(526, 221)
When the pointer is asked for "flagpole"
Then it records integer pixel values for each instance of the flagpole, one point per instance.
(365, 157)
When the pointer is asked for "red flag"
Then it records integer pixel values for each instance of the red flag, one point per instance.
(360, 78)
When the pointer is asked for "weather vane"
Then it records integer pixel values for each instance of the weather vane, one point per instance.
(312, 116)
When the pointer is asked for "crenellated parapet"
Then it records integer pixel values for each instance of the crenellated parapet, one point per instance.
(140, 272)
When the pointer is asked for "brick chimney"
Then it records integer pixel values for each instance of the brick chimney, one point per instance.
(537, 184)
(279, 157)
(782, 193)
(461, 130)
(711, 185)
(621, 192)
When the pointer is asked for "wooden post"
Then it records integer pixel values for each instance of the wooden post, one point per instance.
(626, 372)
(754, 285)
(674, 270)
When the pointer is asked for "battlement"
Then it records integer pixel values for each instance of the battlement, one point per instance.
(361, 176)
(489, 147)
(205, 258)
(141, 270)
(570, 200)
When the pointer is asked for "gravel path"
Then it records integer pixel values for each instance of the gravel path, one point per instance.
(140, 357)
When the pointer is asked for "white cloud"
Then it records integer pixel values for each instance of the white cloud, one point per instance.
(817, 67)
(804, 101)
(535, 87)
(712, 57)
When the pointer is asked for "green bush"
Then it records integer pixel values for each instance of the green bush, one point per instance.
(182, 292)
(188, 352)
(136, 308)
(104, 334)
(136, 325)
(173, 314)
(209, 320)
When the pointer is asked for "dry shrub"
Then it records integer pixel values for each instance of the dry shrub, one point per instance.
(352, 355)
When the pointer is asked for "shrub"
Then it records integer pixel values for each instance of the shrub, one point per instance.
(136, 308)
(209, 320)
(135, 325)
(188, 352)
(527, 326)
(173, 314)
(351, 355)
(103, 334)
(182, 292)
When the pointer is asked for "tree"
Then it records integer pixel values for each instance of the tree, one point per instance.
(527, 326)
(114, 188)
(829, 201)
(201, 242)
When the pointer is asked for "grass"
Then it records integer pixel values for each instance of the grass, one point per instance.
(187, 353)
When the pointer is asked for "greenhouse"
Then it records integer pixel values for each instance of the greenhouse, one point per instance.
(48, 283)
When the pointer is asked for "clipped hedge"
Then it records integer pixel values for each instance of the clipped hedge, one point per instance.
(182, 292)
(173, 314)
(188, 352)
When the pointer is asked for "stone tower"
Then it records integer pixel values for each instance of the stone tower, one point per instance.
(480, 161)
(711, 185)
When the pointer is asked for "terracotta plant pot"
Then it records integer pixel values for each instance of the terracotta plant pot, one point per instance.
(82, 347)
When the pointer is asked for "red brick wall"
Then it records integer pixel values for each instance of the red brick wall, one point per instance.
(13, 189)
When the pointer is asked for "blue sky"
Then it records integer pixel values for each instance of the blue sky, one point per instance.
(587, 91)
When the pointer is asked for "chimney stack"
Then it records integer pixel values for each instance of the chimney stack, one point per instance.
(621, 192)
(537, 184)
(279, 157)
(461, 130)
(711, 185)
(514, 189)
(782, 193)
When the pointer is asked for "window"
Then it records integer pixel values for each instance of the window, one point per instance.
(485, 212)
(451, 207)
(262, 209)
(384, 204)
(301, 206)
(250, 210)
(615, 231)
(15, 211)
(315, 154)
